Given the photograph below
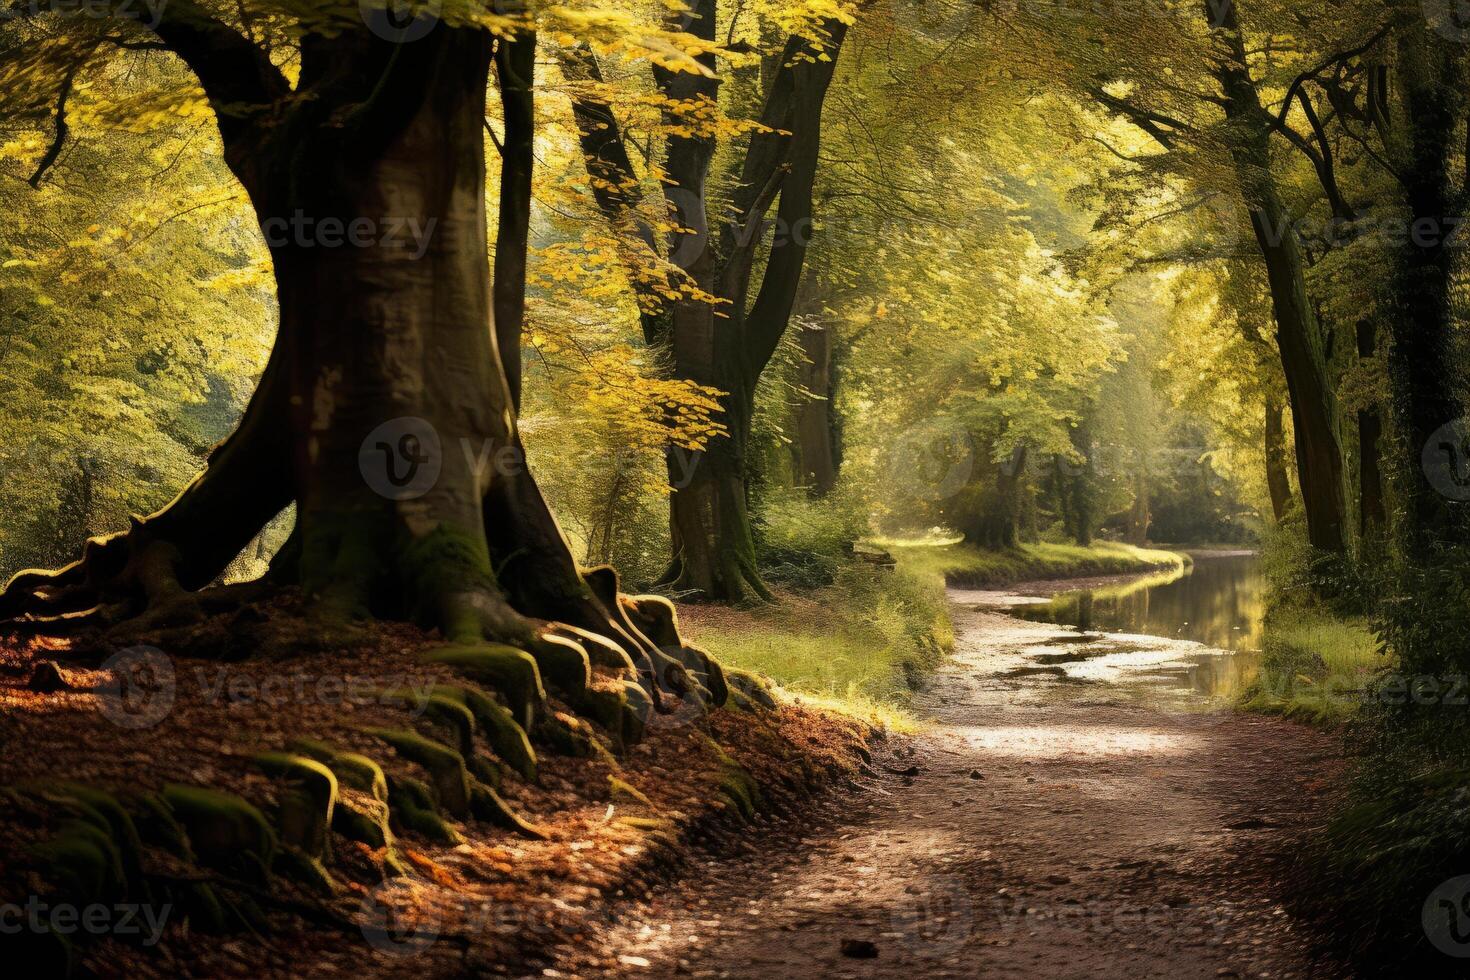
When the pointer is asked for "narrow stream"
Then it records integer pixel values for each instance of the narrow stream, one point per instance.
(1217, 603)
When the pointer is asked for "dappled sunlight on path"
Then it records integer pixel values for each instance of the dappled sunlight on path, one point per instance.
(1050, 823)
(1051, 742)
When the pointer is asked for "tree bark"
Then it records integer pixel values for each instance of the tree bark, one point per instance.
(726, 349)
(1278, 482)
(996, 508)
(1298, 333)
(1140, 517)
(384, 409)
(1421, 371)
(377, 337)
(1372, 512)
(816, 418)
(515, 66)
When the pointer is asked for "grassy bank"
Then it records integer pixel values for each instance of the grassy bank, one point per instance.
(979, 568)
(1315, 667)
(864, 643)
(861, 644)
(1385, 875)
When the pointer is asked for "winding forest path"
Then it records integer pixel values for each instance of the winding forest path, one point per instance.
(1042, 827)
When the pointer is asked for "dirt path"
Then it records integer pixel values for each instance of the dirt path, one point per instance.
(1047, 826)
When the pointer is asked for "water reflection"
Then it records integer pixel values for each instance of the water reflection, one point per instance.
(1218, 602)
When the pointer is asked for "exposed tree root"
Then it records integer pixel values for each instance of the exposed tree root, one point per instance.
(530, 635)
(152, 569)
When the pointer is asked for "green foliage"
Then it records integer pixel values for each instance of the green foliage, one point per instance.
(804, 542)
(977, 568)
(1403, 830)
(135, 323)
(1314, 666)
(863, 643)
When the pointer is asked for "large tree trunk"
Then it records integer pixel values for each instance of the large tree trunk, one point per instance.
(713, 544)
(1421, 371)
(393, 363)
(385, 412)
(1298, 334)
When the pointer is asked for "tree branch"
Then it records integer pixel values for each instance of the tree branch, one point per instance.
(62, 129)
(1150, 122)
(614, 183)
(237, 75)
(769, 315)
(748, 235)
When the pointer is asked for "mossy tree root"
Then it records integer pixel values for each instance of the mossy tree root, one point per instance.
(453, 787)
(519, 613)
(152, 568)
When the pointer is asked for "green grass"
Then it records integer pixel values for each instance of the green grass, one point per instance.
(864, 644)
(1314, 667)
(970, 567)
(861, 645)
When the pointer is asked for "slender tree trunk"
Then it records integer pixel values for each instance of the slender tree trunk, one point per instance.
(1278, 481)
(816, 420)
(713, 540)
(1298, 333)
(997, 510)
(1082, 483)
(1140, 516)
(1372, 513)
(515, 66)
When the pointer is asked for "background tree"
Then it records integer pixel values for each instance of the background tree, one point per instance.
(720, 332)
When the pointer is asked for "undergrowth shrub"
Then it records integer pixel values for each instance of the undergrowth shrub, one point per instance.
(804, 542)
(1403, 827)
(865, 642)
